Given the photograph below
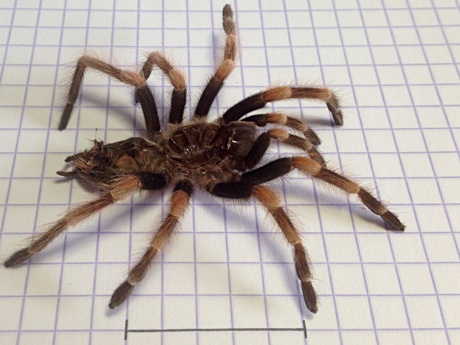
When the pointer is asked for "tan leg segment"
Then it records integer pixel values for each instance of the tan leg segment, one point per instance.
(119, 190)
(268, 199)
(179, 202)
(175, 76)
(283, 136)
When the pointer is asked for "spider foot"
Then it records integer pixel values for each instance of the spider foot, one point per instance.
(19, 257)
(312, 137)
(121, 294)
(65, 117)
(393, 221)
(336, 113)
(309, 296)
(68, 174)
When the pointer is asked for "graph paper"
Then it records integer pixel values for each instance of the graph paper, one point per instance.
(395, 65)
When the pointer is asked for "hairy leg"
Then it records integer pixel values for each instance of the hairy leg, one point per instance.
(120, 190)
(143, 93)
(226, 67)
(245, 190)
(309, 167)
(279, 93)
(179, 202)
(302, 265)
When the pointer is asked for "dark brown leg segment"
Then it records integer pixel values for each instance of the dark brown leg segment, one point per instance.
(280, 93)
(302, 265)
(258, 150)
(119, 191)
(125, 76)
(226, 67)
(176, 78)
(179, 202)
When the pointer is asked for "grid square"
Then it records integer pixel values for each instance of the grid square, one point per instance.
(416, 307)
(440, 247)
(179, 279)
(348, 279)
(246, 280)
(417, 165)
(10, 320)
(382, 279)
(354, 312)
(403, 254)
(37, 321)
(367, 245)
(382, 306)
(416, 279)
(79, 308)
(444, 275)
(334, 244)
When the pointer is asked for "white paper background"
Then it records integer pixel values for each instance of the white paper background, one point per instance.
(395, 65)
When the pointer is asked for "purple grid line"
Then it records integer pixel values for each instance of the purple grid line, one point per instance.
(409, 191)
(40, 187)
(394, 130)
(372, 170)
(224, 210)
(98, 236)
(323, 237)
(43, 172)
(241, 11)
(267, 319)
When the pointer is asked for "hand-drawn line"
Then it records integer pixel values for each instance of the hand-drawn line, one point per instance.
(229, 329)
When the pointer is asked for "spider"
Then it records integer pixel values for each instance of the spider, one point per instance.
(219, 157)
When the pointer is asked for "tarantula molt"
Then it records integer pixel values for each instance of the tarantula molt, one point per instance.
(218, 157)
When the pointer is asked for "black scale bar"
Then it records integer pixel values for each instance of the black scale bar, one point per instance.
(171, 330)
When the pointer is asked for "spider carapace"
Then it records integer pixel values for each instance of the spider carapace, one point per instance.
(221, 157)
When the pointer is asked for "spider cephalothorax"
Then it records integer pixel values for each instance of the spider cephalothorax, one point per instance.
(218, 157)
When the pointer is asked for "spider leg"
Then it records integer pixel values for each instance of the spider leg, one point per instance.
(120, 190)
(226, 67)
(143, 93)
(279, 93)
(261, 120)
(257, 151)
(302, 263)
(179, 202)
(176, 78)
(243, 190)
(309, 167)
